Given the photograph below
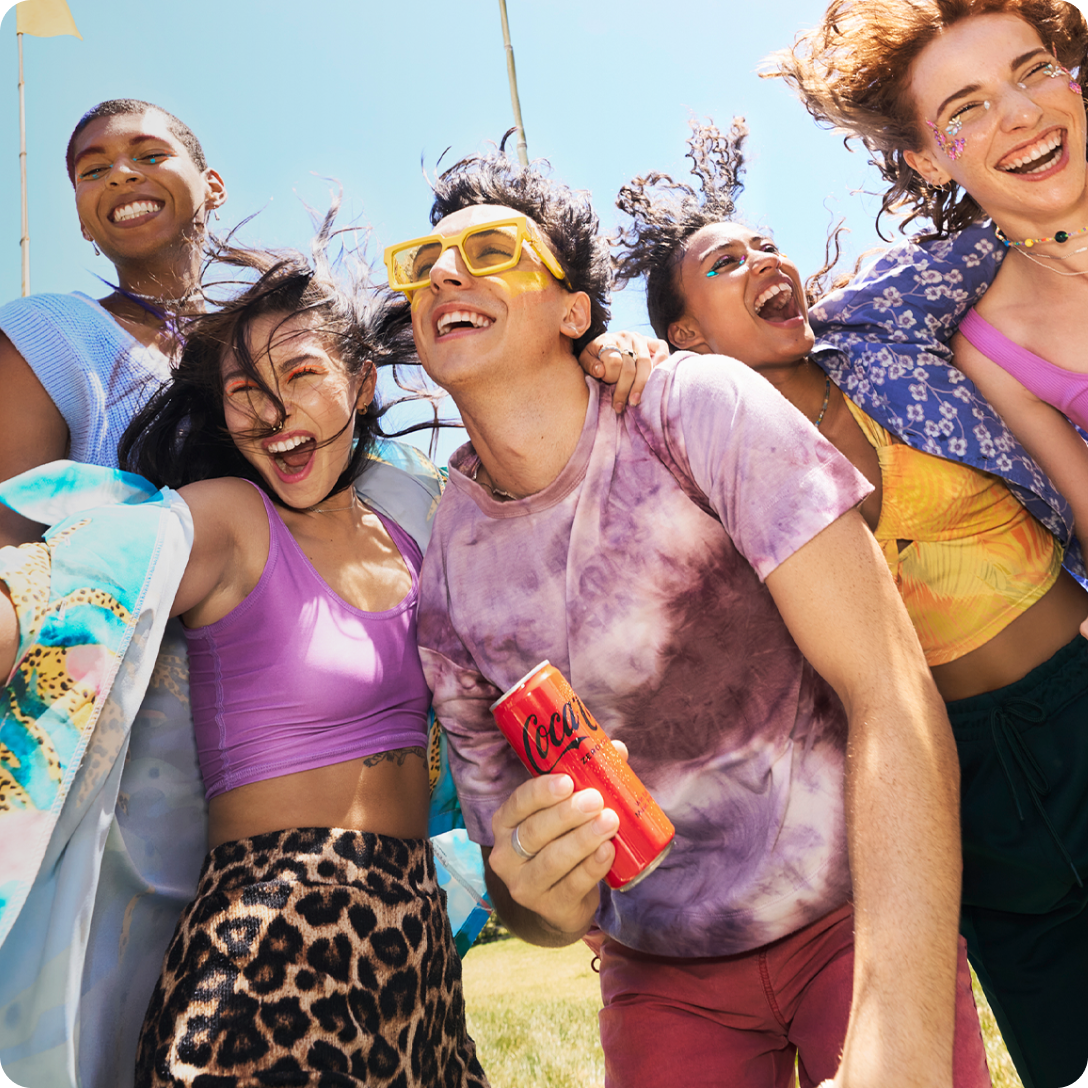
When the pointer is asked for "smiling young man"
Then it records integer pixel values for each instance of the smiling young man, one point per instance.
(75, 370)
(77, 968)
(680, 564)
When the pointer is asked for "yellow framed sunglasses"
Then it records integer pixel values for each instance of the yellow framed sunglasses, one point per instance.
(486, 249)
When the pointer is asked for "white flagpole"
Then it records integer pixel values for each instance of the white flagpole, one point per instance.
(24, 242)
(523, 154)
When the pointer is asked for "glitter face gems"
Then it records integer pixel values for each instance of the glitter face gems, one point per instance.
(952, 148)
(1054, 71)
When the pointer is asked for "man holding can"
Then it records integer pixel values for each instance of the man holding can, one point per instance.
(681, 564)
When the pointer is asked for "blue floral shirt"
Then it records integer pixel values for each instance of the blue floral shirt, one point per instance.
(885, 340)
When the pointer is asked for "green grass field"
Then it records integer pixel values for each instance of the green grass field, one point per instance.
(533, 1014)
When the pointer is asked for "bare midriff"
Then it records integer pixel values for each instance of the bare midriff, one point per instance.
(387, 794)
(1029, 640)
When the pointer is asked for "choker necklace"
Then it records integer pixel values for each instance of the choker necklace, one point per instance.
(827, 397)
(1060, 236)
(333, 509)
(496, 491)
(163, 301)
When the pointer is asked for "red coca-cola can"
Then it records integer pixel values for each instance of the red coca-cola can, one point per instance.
(553, 733)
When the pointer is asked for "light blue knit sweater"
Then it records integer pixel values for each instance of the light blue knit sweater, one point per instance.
(95, 372)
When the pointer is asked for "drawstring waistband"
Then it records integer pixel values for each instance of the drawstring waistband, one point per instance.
(1004, 730)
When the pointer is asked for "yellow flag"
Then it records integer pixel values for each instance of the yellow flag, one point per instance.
(44, 19)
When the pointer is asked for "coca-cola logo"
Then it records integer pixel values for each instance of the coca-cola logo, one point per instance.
(565, 731)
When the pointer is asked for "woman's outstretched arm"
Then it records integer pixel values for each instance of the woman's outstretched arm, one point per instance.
(229, 526)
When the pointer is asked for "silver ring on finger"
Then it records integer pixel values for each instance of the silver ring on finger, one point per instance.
(515, 843)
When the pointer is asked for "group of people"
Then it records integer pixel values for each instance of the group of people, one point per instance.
(822, 576)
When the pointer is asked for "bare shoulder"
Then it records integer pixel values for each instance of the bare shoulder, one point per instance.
(994, 382)
(967, 357)
(230, 548)
(222, 490)
(226, 510)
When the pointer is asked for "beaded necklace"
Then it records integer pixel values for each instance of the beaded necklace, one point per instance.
(1060, 236)
(827, 397)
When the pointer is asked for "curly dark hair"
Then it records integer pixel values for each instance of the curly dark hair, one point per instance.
(853, 74)
(118, 107)
(565, 216)
(666, 213)
(181, 436)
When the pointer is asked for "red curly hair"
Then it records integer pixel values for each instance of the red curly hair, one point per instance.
(853, 74)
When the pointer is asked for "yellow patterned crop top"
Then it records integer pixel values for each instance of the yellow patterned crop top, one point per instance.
(976, 559)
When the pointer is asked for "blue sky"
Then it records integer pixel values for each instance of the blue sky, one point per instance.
(285, 94)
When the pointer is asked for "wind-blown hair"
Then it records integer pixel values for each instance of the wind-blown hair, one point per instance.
(853, 74)
(565, 216)
(118, 107)
(181, 436)
(666, 213)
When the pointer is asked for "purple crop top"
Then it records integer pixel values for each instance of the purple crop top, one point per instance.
(1067, 390)
(296, 678)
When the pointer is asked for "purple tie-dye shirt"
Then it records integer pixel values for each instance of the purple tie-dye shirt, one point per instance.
(638, 573)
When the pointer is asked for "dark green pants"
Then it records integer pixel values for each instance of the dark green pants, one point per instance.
(1024, 765)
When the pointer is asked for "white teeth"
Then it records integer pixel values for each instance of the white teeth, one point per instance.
(130, 211)
(476, 320)
(770, 293)
(1036, 151)
(286, 444)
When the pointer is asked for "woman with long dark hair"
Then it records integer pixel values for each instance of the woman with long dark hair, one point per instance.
(318, 942)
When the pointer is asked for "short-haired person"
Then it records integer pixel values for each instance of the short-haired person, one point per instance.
(684, 578)
(74, 370)
(75, 977)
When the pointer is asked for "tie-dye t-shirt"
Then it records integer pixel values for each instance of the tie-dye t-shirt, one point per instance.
(638, 573)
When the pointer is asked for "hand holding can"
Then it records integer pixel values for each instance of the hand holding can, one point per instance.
(553, 733)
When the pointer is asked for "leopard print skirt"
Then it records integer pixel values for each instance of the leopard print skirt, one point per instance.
(317, 958)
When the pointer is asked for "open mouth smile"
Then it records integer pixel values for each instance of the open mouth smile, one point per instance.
(1036, 157)
(134, 210)
(458, 320)
(777, 304)
(292, 455)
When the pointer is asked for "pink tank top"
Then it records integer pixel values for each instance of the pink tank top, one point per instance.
(296, 678)
(1067, 390)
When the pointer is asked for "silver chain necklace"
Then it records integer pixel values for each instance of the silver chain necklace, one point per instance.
(496, 491)
(1061, 256)
(333, 509)
(1049, 268)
